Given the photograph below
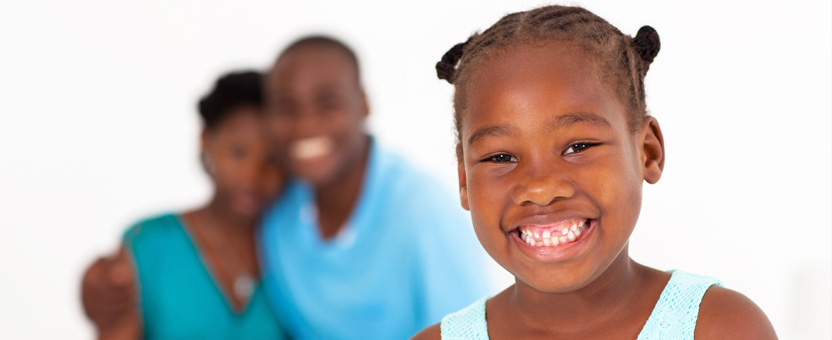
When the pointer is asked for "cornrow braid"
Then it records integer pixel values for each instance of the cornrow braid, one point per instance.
(623, 59)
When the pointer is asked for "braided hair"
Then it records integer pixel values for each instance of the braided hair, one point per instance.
(623, 59)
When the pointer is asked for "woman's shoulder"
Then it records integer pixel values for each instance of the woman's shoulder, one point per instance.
(727, 314)
(152, 227)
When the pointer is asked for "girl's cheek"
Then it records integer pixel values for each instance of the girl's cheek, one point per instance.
(481, 191)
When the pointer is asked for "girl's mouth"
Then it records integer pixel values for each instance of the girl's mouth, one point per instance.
(554, 242)
(557, 234)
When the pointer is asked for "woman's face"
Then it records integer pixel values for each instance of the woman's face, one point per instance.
(238, 160)
(550, 171)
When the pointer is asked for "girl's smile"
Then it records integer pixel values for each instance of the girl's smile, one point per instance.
(551, 169)
(553, 241)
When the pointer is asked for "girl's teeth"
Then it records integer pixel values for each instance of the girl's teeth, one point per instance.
(548, 238)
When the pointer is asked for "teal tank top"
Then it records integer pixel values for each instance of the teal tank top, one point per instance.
(673, 317)
(178, 296)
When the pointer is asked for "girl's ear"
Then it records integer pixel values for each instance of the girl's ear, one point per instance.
(652, 150)
(463, 183)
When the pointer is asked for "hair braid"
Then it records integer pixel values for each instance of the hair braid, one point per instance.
(624, 60)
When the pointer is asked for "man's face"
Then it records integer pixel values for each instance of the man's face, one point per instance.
(315, 112)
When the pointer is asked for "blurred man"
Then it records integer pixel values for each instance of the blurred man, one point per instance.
(361, 245)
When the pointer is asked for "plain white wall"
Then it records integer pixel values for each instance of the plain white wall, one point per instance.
(98, 128)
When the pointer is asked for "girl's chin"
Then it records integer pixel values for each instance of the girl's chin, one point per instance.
(560, 285)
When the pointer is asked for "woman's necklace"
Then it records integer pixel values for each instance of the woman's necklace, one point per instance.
(242, 280)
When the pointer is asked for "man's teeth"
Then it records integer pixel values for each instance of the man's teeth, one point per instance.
(549, 238)
(310, 148)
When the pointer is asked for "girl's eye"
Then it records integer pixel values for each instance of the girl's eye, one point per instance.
(501, 158)
(578, 147)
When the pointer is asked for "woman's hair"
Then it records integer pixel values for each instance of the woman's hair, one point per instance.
(231, 91)
(623, 60)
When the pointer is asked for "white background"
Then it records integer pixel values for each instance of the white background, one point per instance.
(98, 128)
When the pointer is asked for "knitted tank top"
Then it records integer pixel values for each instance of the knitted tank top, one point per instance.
(673, 317)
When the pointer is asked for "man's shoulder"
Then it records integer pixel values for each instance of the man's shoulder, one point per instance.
(407, 181)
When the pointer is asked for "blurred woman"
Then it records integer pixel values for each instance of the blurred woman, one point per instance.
(194, 274)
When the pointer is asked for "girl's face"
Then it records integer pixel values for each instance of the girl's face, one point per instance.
(550, 171)
(238, 160)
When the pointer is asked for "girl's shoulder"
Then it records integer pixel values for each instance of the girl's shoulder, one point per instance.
(727, 314)
(695, 306)
(432, 332)
(467, 323)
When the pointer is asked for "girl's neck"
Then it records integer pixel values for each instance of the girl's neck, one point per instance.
(615, 292)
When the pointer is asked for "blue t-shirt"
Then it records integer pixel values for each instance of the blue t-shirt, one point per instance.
(406, 256)
(178, 296)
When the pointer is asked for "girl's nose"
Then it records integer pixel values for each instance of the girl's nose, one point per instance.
(542, 185)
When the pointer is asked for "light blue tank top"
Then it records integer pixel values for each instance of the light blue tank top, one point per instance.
(178, 296)
(673, 317)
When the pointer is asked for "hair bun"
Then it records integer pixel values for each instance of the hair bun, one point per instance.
(647, 43)
(445, 71)
(446, 68)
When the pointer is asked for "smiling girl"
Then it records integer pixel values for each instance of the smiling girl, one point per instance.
(554, 143)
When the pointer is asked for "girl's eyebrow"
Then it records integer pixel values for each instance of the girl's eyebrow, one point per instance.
(577, 118)
(490, 131)
(565, 120)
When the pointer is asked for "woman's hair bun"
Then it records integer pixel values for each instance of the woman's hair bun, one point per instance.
(647, 43)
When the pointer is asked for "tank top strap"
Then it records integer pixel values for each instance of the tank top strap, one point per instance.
(675, 314)
(466, 324)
